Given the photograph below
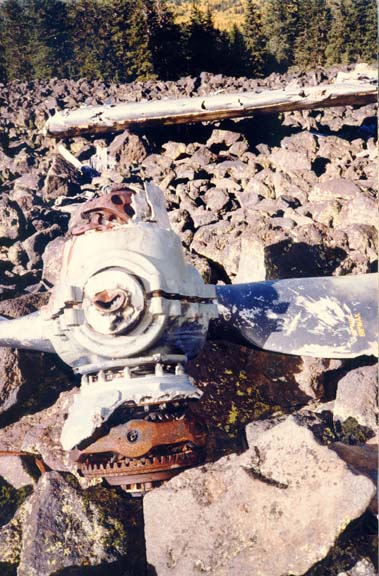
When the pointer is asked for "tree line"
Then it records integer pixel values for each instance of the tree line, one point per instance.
(126, 40)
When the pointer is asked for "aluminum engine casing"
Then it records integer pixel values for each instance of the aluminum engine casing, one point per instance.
(147, 261)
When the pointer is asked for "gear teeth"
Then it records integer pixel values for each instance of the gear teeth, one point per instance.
(139, 475)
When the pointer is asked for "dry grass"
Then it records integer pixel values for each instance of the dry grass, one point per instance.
(226, 12)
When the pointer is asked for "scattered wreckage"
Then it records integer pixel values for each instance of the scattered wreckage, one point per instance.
(127, 312)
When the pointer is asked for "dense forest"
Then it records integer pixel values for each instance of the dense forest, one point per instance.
(125, 40)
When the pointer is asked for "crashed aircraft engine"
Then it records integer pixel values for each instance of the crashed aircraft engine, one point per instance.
(128, 311)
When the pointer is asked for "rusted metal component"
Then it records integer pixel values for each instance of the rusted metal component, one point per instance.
(104, 212)
(138, 437)
(180, 297)
(140, 475)
(142, 453)
(109, 301)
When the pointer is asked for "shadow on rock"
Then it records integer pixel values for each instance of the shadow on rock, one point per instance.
(7, 569)
(113, 569)
(358, 541)
(10, 500)
(288, 259)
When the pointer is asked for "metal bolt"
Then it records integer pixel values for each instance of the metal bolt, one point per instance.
(132, 435)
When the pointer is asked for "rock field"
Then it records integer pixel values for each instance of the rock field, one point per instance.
(291, 483)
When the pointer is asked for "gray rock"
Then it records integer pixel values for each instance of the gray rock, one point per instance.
(11, 537)
(14, 471)
(202, 217)
(286, 493)
(155, 165)
(247, 198)
(184, 172)
(227, 184)
(201, 264)
(362, 209)
(19, 370)
(25, 183)
(52, 260)
(17, 254)
(12, 222)
(39, 433)
(363, 239)
(62, 179)
(5, 166)
(303, 251)
(239, 148)
(180, 220)
(224, 137)
(220, 243)
(357, 395)
(127, 149)
(304, 141)
(234, 168)
(12, 378)
(325, 212)
(364, 459)
(65, 527)
(285, 381)
(282, 223)
(201, 158)
(216, 199)
(363, 567)
(174, 150)
(333, 148)
(333, 189)
(35, 244)
(290, 161)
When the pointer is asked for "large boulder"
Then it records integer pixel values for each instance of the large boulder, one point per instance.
(357, 396)
(60, 526)
(275, 510)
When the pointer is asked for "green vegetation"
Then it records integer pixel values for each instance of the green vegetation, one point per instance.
(126, 40)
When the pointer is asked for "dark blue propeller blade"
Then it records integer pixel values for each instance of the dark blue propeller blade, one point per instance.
(331, 317)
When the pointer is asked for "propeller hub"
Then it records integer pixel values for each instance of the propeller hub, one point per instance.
(118, 307)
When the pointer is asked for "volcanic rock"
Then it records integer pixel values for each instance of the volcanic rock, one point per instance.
(357, 396)
(16, 470)
(62, 179)
(362, 568)
(125, 150)
(66, 527)
(12, 222)
(334, 189)
(286, 483)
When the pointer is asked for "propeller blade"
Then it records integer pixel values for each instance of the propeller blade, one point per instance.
(331, 317)
(27, 332)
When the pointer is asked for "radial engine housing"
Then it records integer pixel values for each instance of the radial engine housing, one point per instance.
(126, 291)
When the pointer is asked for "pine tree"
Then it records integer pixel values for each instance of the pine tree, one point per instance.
(164, 40)
(3, 67)
(255, 59)
(201, 42)
(118, 39)
(16, 40)
(282, 28)
(88, 49)
(364, 26)
(235, 49)
(139, 55)
(49, 40)
(312, 41)
(338, 50)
